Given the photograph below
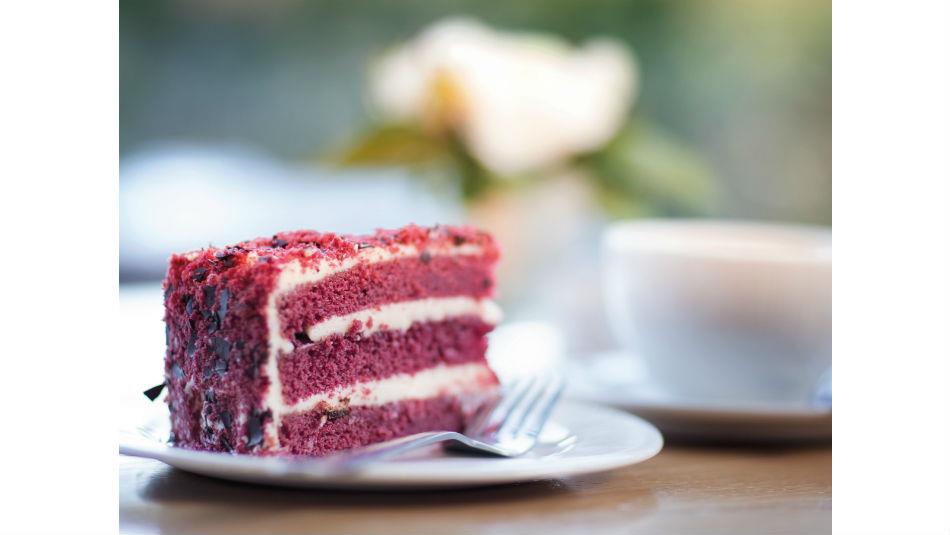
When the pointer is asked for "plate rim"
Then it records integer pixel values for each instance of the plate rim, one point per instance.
(718, 410)
(403, 474)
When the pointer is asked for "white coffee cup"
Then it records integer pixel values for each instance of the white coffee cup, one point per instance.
(722, 310)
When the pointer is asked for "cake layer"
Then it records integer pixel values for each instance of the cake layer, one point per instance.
(401, 316)
(431, 382)
(340, 360)
(319, 432)
(424, 275)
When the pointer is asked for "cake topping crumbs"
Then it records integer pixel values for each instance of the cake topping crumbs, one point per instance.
(153, 393)
(279, 242)
(199, 274)
(311, 251)
(425, 257)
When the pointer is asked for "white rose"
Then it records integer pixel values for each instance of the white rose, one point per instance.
(520, 102)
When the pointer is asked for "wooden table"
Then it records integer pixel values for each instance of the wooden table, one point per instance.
(685, 489)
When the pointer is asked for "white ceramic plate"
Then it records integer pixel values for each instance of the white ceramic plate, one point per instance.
(580, 439)
(609, 379)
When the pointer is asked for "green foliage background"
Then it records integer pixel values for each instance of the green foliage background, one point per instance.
(739, 87)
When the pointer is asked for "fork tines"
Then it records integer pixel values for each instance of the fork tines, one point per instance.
(522, 410)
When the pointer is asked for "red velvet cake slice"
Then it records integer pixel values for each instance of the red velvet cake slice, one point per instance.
(309, 343)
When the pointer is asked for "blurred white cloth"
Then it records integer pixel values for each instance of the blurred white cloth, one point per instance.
(182, 197)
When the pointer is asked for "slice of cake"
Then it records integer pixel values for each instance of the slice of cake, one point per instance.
(309, 343)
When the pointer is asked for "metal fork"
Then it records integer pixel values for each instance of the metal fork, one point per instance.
(510, 428)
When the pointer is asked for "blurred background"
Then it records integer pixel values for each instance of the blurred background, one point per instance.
(242, 118)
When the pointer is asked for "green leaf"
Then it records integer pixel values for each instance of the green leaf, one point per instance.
(393, 145)
(646, 172)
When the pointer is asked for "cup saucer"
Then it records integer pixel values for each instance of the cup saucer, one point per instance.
(619, 380)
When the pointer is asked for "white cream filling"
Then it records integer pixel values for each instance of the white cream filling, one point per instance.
(401, 316)
(428, 383)
(293, 275)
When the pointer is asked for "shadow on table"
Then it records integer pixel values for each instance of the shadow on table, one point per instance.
(173, 501)
(176, 485)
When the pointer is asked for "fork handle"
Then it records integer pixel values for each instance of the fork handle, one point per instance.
(353, 460)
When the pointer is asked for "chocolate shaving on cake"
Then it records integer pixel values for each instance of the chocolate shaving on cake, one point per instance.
(153, 393)
(192, 343)
(223, 351)
(334, 414)
(208, 292)
(223, 298)
(255, 428)
(222, 348)
(225, 257)
(199, 274)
